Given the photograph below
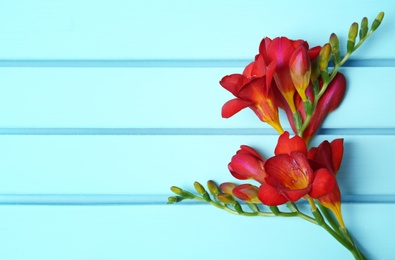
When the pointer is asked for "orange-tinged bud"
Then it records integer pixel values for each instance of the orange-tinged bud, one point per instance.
(300, 69)
(226, 198)
(227, 187)
(247, 193)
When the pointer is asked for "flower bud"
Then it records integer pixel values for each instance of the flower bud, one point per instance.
(200, 189)
(335, 45)
(376, 23)
(182, 193)
(364, 28)
(174, 199)
(226, 198)
(213, 188)
(352, 35)
(247, 193)
(300, 70)
(324, 57)
(227, 187)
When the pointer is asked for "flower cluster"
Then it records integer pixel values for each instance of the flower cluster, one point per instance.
(293, 173)
(289, 75)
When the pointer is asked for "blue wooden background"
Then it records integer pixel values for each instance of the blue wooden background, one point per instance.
(106, 104)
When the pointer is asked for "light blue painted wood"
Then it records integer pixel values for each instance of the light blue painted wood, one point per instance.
(72, 29)
(193, 232)
(151, 164)
(153, 68)
(163, 98)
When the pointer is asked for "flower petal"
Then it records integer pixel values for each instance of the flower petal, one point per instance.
(270, 196)
(323, 183)
(337, 153)
(245, 149)
(233, 106)
(233, 83)
(287, 145)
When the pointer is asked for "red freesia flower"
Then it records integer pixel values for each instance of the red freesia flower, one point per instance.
(329, 155)
(247, 163)
(289, 175)
(252, 89)
(278, 53)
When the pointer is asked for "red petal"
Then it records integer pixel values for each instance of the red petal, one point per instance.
(287, 145)
(233, 106)
(313, 52)
(255, 69)
(337, 153)
(270, 196)
(323, 183)
(289, 171)
(233, 83)
(245, 149)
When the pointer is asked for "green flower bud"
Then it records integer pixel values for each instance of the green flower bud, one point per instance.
(174, 199)
(353, 32)
(324, 57)
(364, 28)
(335, 45)
(334, 42)
(200, 189)
(213, 187)
(376, 23)
(352, 35)
(182, 193)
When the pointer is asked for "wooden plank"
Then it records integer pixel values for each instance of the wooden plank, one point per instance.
(173, 231)
(162, 98)
(151, 164)
(71, 29)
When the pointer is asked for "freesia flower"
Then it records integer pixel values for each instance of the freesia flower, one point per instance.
(247, 163)
(300, 70)
(278, 53)
(252, 89)
(289, 175)
(329, 155)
